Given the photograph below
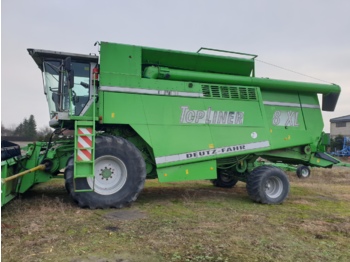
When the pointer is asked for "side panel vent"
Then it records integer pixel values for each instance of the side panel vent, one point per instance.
(230, 92)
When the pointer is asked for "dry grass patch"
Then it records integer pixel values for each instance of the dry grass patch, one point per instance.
(187, 221)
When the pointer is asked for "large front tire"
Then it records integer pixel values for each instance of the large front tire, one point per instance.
(268, 185)
(120, 174)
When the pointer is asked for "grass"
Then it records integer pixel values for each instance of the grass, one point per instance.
(189, 221)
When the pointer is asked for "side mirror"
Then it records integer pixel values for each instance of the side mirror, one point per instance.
(70, 78)
(67, 64)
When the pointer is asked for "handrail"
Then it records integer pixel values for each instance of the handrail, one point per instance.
(225, 51)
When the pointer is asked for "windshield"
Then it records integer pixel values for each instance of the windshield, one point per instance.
(73, 100)
(51, 83)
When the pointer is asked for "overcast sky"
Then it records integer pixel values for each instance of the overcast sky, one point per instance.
(310, 37)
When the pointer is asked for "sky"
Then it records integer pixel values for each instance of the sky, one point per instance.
(311, 37)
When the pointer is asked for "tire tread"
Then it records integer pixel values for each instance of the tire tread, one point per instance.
(255, 180)
(87, 199)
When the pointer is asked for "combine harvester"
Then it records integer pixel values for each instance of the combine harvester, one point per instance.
(140, 112)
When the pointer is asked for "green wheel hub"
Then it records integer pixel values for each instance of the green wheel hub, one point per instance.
(106, 173)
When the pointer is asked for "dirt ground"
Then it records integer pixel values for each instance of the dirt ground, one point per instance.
(187, 221)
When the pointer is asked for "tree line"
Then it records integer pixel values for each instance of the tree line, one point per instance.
(27, 129)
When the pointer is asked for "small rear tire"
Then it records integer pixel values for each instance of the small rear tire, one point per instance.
(268, 185)
(224, 179)
(303, 171)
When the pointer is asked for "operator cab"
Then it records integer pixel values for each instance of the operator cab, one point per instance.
(67, 82)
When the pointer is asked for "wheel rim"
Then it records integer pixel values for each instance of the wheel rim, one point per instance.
(274, 187)
(110, 175)
(304, 172)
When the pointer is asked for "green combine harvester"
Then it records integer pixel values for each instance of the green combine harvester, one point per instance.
(138, 112)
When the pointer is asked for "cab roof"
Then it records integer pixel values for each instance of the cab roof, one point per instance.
(40, 55)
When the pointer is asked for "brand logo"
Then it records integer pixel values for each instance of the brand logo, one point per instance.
(219, 151)
(213, 152)
(210, 116)
(285, 118)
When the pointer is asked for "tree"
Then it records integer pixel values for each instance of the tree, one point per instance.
(7, 131)
(27, 128)
(19, 131)
(31, 128)
(44, 133)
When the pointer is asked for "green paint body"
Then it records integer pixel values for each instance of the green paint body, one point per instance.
(190, 114)
(277, 116)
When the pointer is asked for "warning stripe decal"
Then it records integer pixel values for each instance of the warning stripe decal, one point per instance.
(85, 131)
(84, 155)
(84, 141)
(84, 144)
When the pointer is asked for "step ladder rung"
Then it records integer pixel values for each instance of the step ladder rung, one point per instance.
(84, 168)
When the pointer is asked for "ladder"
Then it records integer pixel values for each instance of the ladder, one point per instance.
(84, 146)
(84, 152)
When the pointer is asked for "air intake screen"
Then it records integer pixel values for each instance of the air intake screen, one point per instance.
(230, 92)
